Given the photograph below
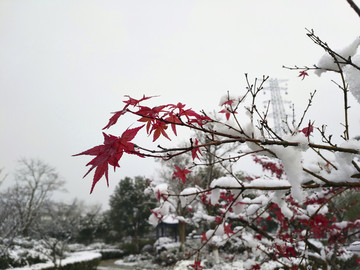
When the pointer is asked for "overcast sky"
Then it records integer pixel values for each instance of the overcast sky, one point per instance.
(65, 65)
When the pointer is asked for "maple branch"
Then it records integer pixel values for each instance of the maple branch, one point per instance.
(235, 139)
(306, 109)
(354, 7)
(331, 52)
(345, 91)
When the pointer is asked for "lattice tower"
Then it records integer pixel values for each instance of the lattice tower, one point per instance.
(277, 105)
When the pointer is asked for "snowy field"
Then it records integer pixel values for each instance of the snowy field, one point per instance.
(147, 265)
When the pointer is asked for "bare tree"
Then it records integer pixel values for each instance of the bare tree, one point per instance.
(2, 176)
(35, 182)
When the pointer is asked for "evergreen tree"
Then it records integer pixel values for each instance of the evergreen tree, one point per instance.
(129, 209)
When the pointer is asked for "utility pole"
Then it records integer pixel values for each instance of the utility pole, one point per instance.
(277, 104)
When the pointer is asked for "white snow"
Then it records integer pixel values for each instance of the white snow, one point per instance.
(352, 76)
(355, 246)
(291, 159)
(312, 208)
(188, 195)
(278, 198)
(267, 183)
(73, 258)
(225, 181)
(170, 219)
(252, 209)
(344, 163)
(215, 196)
(327, 62)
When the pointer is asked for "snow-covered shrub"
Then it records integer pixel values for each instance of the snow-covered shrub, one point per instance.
(22, 251)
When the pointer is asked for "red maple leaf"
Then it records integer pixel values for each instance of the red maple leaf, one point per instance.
(158, 127)
(203, 237)
(196, 265)
(303, 74)
(173, 119)
(227, 113)
(188, 113)
(218, 219)
(194, 117)
(227, 229)
(178, 106)
(149, 115)
(181, 173)
(110, 153)
(308, 130)
(115, 117)
(131, 101)
(229, 102)
(135, 102)
(195, 150)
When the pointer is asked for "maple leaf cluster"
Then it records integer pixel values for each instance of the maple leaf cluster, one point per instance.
(110, 153)
(156, 122)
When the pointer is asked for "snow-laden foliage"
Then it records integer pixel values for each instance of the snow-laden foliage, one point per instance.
(288, 216)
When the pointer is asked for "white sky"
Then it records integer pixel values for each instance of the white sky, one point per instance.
(65, 65)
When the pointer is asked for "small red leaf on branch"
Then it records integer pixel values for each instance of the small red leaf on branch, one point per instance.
(135, 102)
(227, 113)
(308, 130)
(195, 150)
(131, 101)
(159, 127)
(110, 153)
(227, 229)
(173, 119)
(115, 117)
(196, 265)
(181, 173)
(203, 237)
(303, 74)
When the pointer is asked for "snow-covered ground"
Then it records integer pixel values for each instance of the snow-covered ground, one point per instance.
(181, 265)
(74, 257)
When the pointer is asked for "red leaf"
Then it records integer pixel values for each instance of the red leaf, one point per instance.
(195, 150)
(110, 153)
(227, 113)
(181, 173)
(218, 219)
(303, 74)
(135, 102)
(229, 102)
(115, 117)
(203, 237)
(131, 101)
(130, 134)
(159, 128)
(227, 229)
(173, 119)
(308, 130)
(196, 265)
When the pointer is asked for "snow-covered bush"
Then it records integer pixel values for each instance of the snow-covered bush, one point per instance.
(21, 252)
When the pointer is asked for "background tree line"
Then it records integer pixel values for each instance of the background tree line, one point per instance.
(27, 210)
